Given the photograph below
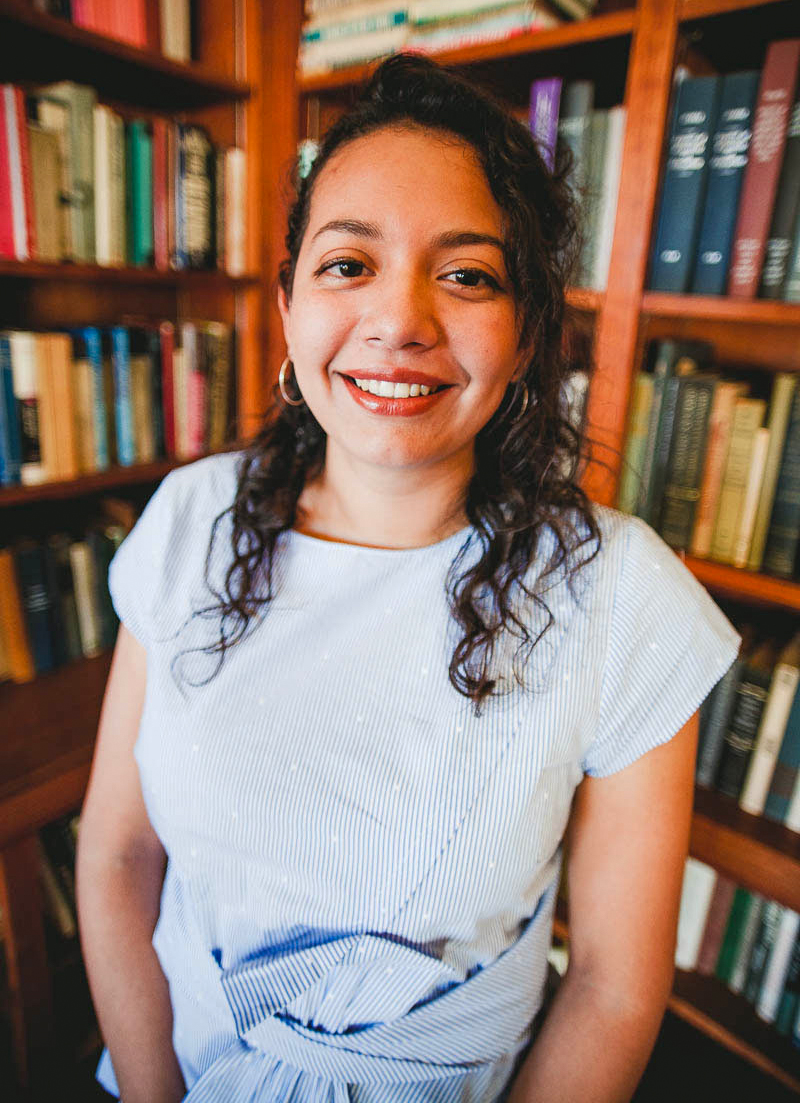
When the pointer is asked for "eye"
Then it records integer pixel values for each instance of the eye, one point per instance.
(345, 267)
(472, 277)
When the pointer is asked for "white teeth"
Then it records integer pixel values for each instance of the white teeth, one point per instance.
(385, 389)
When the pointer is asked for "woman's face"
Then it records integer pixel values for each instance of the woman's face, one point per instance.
(400, 286)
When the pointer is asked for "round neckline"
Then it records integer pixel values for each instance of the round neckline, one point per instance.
(320, 542)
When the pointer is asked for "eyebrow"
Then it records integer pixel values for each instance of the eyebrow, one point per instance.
(447, 240)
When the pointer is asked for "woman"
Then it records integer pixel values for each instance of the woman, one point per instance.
(372, 670)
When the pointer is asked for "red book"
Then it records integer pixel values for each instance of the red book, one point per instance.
(6, 213)
(139, 24)
(152, 21)
(167, 334)
(773, 104)
(27, 179)
(102, 17)
(160, 195)
(716, 921)
(80, 12)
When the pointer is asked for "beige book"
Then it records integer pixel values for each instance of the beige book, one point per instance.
(103, 242)
(142, 407)
(235, 206)
(218, 351)
(47, 407)
(84, 580)
(55, 117)
(753, 491)
(180, 404)
(175, 29)
(45, 156)
(780, 409)
(748, 417)
(62, 379)
(720, 424)
(116, 139)
(83, 386)
(782, 690)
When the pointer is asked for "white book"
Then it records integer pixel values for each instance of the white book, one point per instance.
(752, 494)
(771, 730)
(607, 217)
(698, 887)
(16, 179)
(175, 22)
(27, 392)
(235, 207)
(792, 820)
(780, 957)
(84, 581)
(103, 242)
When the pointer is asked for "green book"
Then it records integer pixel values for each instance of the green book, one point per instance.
(740, 909)
(139, 194)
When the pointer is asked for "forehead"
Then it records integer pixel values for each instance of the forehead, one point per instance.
(408, 175)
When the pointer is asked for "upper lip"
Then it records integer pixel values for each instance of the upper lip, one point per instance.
(400, 375)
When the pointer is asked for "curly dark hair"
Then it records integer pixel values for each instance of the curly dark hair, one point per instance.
(526, 464)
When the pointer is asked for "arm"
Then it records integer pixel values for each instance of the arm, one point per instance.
(628, 838)
(119, 871)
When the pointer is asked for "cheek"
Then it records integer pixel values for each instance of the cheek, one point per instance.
(317, 334)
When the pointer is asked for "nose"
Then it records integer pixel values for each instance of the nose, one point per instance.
(401, 314)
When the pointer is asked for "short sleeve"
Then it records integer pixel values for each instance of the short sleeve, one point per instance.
(135, 572)
(668, 646)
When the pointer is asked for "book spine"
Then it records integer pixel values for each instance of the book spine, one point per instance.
(787, 204)
(218, 344)
(193, 230)
(765, 938)
(780, 409)
(6, 200)
(26, 396)
(545, 96)
(734, 929)
(630, 486)
(790, 997)
(684, 184)
(787, 768)
(15, 633)
(607, 213)
(62, 381)
(783, 688)
(751, 698)
(752, 491)
(746, 943)
(36, 605)
(716, 921)
(685, 465)
(85, 597)
(792, 819)
(783, 534)
(717, 444)
(13, 139)
(726, 166)
(235, 206)
(778, 81)
(698, 888)
(141, 185)
(123, 412)
(27, 178)
(717, 722)
(102, 186)
(166, 333)
(9, 419)
(153, 344)
(777, 966)
(160, 195)
(747, 420)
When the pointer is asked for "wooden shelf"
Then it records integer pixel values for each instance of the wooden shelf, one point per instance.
(95, 273)
(722, 309)
(758, 854)
(49, 727)
(616, 24)
(741, 585)
(711, 1007)
(702, 9)
(35, 47)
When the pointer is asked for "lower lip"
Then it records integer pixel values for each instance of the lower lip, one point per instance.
(394, 407)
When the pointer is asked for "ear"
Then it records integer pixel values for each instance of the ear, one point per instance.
(283, 307)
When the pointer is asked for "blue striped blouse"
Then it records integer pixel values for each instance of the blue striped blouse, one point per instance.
(361, 873)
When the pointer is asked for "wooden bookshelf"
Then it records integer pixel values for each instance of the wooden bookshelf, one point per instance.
(95, 273)
(721, 309)
(749, 586)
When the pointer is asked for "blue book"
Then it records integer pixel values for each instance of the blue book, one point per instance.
(37, 604)
(787, 767)
(729, 149)
(684, 183)
(87, 342)
(123, 409)
(10, 445)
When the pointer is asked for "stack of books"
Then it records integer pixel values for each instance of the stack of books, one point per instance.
(749, 747)
(54, 601)
(750, 944)
(338, 33)
(729, 219)
(84, 400)
(163, 26)
(78, 183)
(712, 461)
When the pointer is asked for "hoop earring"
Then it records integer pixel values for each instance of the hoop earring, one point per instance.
(282, 385)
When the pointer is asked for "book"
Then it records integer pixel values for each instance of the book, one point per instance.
(783, 532)
(751, 698)
(720, 425)
(716, 922)
(6, 205)
(219, 355)
(752, 492)
(683, 189)
(54, 116)
(726, 165)
(26, 396)
(762, 947)
(160, 195)
(10, 445)
(784, 214)
(777, 966)
(175, 28)
(699, 881)
(19, 656)
(63, 396)
(58, 908)
(630, 484)
(780, 409)
(139, 203)
(105, 195)
(85, 583)
(80, 100)
(790, 997)
(87, 343)
(545, 96)
(595, 160)
(45, 175)
(684, 469)
(775, 92)
(721, 703)
(771, 729)
(235, 205)
(166, 333)
(577, 102)
(63, 591)
(142, 370)
(19, 181)
(193, 199)
(123, 408)
(734, 929)
(748, 417)
(607, 211)
(787, 767)
(746, 942)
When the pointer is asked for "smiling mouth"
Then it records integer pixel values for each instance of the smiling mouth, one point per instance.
(383, 388)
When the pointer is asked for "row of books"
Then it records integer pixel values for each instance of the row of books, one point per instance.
(749, 746)
(54, 601)
(747, 942)
(729, 220)
(711, 466)
(336, 35)
(562, 117)
(163, 26)
(80, 183)
(85, 400)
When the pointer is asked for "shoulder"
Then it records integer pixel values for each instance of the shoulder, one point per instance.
(205, 487)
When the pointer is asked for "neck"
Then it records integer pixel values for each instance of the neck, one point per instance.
(383, 507)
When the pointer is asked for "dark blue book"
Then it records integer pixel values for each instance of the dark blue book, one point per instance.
(787, 767)
(37, 604)
(728, 160)
(10, 445)
(123, 409)
(683, 191)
